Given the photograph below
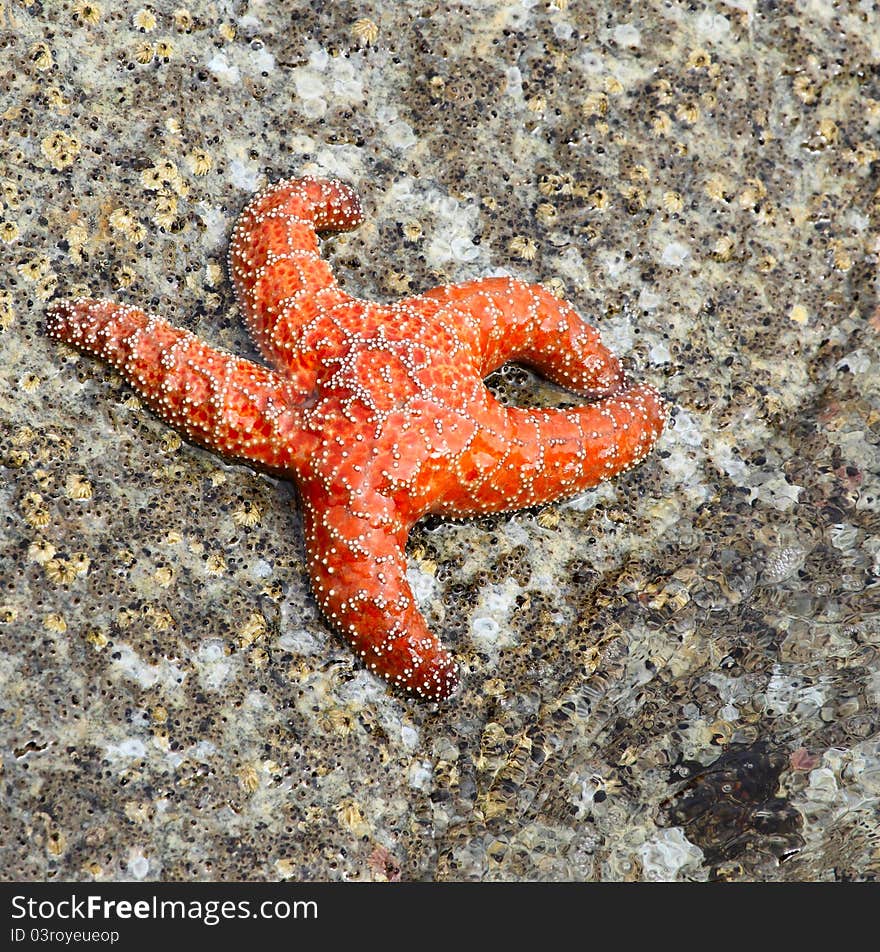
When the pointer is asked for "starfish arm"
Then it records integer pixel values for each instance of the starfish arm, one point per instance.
(505, 319)
(225, 403)
(281, 280)
(552, 454)
(358, 572)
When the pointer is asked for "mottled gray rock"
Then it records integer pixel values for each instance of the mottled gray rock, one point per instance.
(700, 182)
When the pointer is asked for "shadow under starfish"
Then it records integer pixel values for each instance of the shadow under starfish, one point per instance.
(377, 412)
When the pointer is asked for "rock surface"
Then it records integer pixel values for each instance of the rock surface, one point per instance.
(676, 676)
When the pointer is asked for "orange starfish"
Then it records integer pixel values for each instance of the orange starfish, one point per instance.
(377, 412)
